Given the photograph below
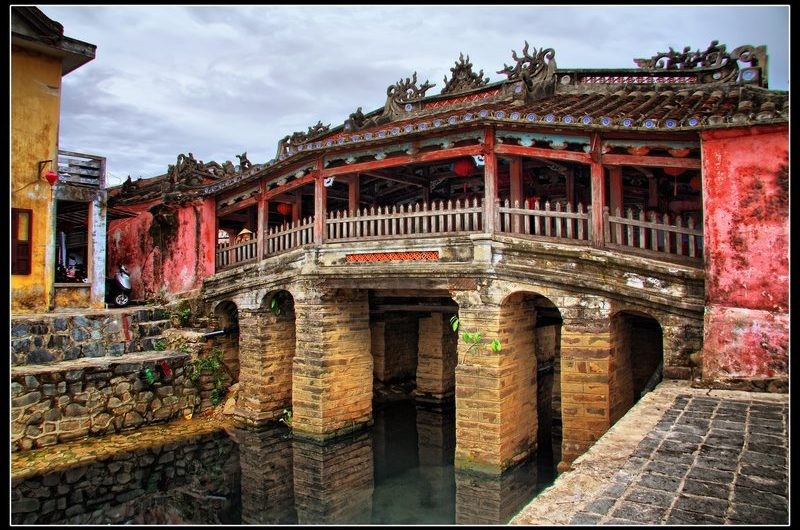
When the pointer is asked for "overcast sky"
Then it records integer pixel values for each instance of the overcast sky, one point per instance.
(218, 81)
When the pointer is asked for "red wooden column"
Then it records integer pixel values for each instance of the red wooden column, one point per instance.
(297, 206)
(263, 222)
(515, 174)
(489, 180)
(571, 187)
(652, 188)
(615, 180)
(320, 199)
(354, 198)
(598, 193)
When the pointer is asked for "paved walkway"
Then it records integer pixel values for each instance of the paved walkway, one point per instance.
(680, 456)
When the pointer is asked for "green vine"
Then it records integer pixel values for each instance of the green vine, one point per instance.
(213, 364)
(286, 419)
(279, 302)
(160, 345)
(473, 338)
(184, 315)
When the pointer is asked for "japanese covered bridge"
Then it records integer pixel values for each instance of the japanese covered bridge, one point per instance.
(590, 223)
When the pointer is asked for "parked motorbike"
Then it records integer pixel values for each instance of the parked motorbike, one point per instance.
(118, 288)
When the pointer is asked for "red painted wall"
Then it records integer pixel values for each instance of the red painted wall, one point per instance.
(746, 232)
(173, 268)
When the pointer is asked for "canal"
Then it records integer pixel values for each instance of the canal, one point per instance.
(398, 472)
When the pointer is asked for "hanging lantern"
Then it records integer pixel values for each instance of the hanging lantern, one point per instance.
(464, 167)
(638, 150)
(695, 183)
(679, 153)
(673, 171)
(284, 209)
(51, 177)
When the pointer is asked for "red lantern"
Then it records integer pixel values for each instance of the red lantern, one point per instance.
(51, 177)
(673, 171)
(464, 167)
(284, 209)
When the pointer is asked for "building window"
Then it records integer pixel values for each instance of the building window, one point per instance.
(21, 241)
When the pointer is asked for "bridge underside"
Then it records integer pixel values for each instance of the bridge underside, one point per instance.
(319, 326)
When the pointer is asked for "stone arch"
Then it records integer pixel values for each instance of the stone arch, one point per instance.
(268, 342)
(225, 337)
(530, 334)
(637, 358)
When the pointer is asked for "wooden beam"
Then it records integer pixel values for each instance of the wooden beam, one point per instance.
(598, 198)
(615, 180)
(489, 180)
(235, 207)
(650, 161)
(541, 152)
(403, 160)
(320, 203)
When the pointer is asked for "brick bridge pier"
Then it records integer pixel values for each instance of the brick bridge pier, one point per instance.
(316, 333)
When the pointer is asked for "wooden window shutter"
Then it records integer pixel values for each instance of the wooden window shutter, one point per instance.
(21, 225)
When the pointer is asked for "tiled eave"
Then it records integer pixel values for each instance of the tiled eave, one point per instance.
(578, 108)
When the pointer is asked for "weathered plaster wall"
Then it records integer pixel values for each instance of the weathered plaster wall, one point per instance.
(746, 198)
(164, 258)
(35, 110)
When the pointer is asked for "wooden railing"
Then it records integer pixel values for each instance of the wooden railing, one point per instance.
(658, 234)
(552, 221)
(236, 254)
(289, 236)
(442, 218)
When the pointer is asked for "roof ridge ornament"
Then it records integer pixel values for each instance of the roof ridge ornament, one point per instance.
(300, 137)
(407, 90)
(715, 57)
(536, 71)
(464, 79)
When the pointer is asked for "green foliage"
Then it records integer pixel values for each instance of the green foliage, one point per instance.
(184, 315)
(286, 419)
(160, 345)
(279, 302)
(214, 365)
(473, 338)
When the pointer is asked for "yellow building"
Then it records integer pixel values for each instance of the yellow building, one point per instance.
(46, 186)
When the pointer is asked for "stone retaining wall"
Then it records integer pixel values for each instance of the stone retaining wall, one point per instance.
(52, 404)
(54, 337)
(152, 485)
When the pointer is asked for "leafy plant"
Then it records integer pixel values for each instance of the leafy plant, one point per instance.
(160, 345)
(278, 303)
(184, 315)
(286, 419)
(473, 338)
(213, 364)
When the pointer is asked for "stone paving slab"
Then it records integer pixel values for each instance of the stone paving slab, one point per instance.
(680, 456)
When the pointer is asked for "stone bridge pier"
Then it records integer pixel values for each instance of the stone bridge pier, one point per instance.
(332, 367)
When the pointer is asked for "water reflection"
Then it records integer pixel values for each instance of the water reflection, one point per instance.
(398, 472)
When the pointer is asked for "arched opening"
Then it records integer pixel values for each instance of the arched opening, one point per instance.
(637, 359)
(531, 341)
(274, 345)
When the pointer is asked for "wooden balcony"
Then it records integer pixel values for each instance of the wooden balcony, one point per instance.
(659, 237)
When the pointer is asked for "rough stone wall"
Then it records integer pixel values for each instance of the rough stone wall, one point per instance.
(436, 367)
(746, 228)
(620, 377)
(495, 391)
(93, 397)
(548, 387)
(585, 367)
(400, 347)
(378, 348)
(38, 340)
(518, 362)
(332, 368)
(333, 482)
(267, 490)
(130, 486)
(266, 350)
(494, 500)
